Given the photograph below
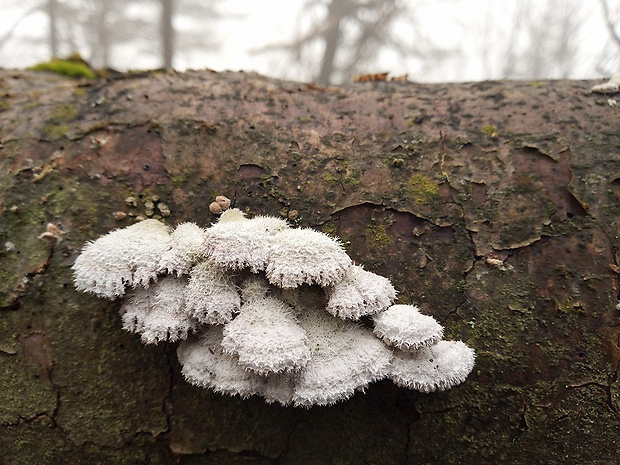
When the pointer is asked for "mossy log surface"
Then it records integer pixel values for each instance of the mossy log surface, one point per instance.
(494, 206)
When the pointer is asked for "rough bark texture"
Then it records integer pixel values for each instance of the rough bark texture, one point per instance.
(492, 205)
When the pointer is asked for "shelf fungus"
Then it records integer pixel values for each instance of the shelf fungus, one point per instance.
(261, 308)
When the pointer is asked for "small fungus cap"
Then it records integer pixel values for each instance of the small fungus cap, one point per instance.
(266, 338)
(124, 257)
(360, 293)
(234, 214)
(159, 313)
(298, 256)
(211, 296)
(135, 308)
(403, 326)
(610, 87)
(433, 368)
(186, 246)
(237, 243)
(205, 364)
(345, 357)
(224, 202)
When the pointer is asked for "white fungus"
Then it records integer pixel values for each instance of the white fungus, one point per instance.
(263, 309)
(433, 368)
(404, 327)
(345, 358)
(236, 242)
(186, 245)
(298, 256)
(610, 87)
(124, 257)
(360, 293)
(135, 308)
(205, 364)
(211, 296)
(160, 315)
(266, 337)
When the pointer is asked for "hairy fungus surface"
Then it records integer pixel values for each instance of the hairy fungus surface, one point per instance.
(159, 314)
(403, 326)
(360, 293)
(122, 258)
(266, 337)
(184, 250)
(264, 309)
(305, 256)
(211, 296)
(237, 243)
(434, 368)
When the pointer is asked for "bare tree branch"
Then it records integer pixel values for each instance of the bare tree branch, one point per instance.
(611, 27)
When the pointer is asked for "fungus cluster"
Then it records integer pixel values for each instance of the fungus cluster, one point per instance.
(264, 309)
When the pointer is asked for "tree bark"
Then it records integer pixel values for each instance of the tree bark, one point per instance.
(494, 206)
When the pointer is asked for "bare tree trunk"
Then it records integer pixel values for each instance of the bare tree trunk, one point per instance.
(103, 34)
(611, 27)
(52, 11)
(337, 10)
(167, 32)
(494, 206)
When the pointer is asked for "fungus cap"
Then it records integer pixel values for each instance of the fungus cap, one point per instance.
(158, 314)
(210, 296)
(345, 357)
(404, 327)
(433, 368)
(255, 287)
(223, 201)
(205, 364)
(124, 257)
(298, 256)
(360, 293)
(610, 87)
(266, 337)
(135, 308)
(186, 246)
(235, 242)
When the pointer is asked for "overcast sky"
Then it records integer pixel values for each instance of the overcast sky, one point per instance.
(246, 26)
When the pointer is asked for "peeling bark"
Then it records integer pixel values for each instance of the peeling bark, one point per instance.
(494, 206)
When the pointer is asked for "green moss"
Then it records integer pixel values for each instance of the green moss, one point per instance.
(54, 131)
(351, 181)
(69, 68)
(330, 179)
(377, 236)
(64, 112)
(536, 84)
(305, 119)
(490, 130)
(4, 104)
(344, 175)
(422, 189)
(79, 92)
(56, 127)
(331, 229)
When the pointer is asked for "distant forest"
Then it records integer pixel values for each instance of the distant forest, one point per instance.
(337, 39)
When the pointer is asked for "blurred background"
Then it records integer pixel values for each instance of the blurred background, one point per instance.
(323, 41)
